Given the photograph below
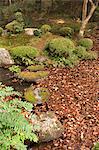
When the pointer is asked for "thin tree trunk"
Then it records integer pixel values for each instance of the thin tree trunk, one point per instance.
(86, 20)
(84, 11)
(10, 2)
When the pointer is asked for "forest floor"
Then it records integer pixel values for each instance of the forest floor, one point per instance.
(74, 99)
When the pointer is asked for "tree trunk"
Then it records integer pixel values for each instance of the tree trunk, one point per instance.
(84, 10)
(10, 2)
(86, 20)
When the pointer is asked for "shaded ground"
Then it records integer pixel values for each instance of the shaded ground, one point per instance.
(74, 98)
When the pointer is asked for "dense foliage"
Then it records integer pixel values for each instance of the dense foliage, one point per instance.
(65, 52)
(24, 54)
(86, 42)
(16, 25)
(66, 31)
(14, 127)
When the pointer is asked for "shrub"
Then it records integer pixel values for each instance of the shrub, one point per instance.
(83, 54)
(37, 32)
(96, 146)
(14, 27)
(15, 128)
(1, 31)
(45, 28)
(66, 31)
(15, 69)
(55, 29)
(60, 47)
(19, 17)
(75, 26)
(86, 42)
(24, 52)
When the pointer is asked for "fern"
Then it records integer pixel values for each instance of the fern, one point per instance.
(14, 127)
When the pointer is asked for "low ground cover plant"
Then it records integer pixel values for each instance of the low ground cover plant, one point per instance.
(14, 127)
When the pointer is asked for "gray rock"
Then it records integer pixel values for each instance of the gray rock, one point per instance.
(30, 31)
(5, 58)
(50, 127)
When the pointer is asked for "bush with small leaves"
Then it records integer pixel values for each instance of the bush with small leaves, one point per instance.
(24, 54)
(14, 27)
(15, 69)
(66, 31)
(19, 17)
(45, 28)
(37, 32)
(60, 47)
(86, 42)
(81, 52)
(1, 31)
(24, 51)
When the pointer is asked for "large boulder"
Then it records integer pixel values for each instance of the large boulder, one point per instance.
(5, 58)
(50, 127)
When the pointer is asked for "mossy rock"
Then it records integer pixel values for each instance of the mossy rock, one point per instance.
(32, 76)
(36, 96)
(35, 68)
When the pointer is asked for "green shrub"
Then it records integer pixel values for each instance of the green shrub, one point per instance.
(96, 146)
(14, 27)
(86, 42)
(45, 28)
(15, 128)
(15, 69)
(37, 32)
(19, 17)
(1, 31)
(83, 54)
(66, 31)
(75, 26)
(61, 47)
(24, 54)
(24, 51)
(55, 29)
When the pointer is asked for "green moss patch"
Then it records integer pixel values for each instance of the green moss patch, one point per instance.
(32, 76)
(35, 68)
(38, 95)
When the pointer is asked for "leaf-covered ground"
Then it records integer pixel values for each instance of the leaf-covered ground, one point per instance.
(74, 98)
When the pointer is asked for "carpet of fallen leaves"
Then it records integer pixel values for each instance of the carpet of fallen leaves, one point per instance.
(74, 99)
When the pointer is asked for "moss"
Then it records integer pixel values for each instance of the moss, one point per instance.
(38, 95)
(32, 76)
(86, 42)
(29, 95)
(35, 68)
(60, 47)
(24, 51)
